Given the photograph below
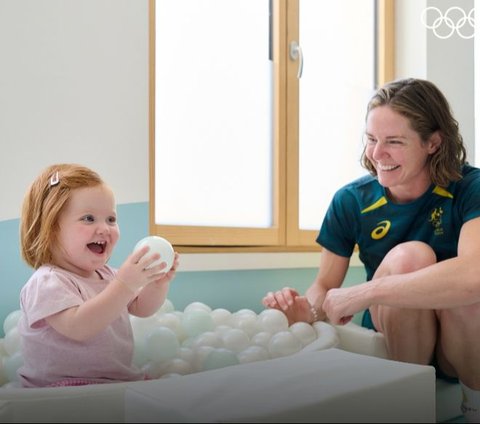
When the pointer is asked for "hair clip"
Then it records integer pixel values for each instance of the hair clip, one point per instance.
(54, 179)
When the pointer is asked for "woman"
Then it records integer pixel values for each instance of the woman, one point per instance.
(416, 221)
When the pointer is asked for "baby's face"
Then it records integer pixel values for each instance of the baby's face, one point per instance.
(88, 231)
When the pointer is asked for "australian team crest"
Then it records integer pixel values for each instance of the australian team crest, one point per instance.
(436, 221)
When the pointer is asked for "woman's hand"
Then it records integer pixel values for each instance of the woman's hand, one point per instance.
(341, 304)
(288, 300)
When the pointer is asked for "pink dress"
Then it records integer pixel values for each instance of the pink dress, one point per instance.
(49, 357)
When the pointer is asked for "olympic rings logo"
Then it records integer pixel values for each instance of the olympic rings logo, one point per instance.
(443, 25)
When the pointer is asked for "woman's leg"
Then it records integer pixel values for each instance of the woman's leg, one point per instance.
(410, 334)
(458, 348)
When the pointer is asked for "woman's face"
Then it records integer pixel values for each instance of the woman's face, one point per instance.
(398, 154)
(88, 231)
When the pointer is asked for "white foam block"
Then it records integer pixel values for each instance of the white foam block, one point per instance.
(330, 385)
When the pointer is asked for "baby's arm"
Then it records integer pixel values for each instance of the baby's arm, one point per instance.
(152, 296)
(82, 322)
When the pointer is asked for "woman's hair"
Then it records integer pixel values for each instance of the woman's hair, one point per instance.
(427, 110)
(42, 205)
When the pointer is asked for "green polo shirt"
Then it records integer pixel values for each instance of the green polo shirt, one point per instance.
(361, 213)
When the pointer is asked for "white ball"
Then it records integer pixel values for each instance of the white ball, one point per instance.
(11, 320)
(11, 364)
(262, 338)
(253, 354)
(158, 245)
(220, 358)
(284, 343)
(174, 322)
(176, 366)
(200, 353)
(166, 307)
(197, 306)
(187, 354)
(235, 340)
(142, 326)
(208, 338)
(162, 344)
(12, 341)
(305, 332)
(273, 321)
(246, 322)
(197, 322)
(221, 316)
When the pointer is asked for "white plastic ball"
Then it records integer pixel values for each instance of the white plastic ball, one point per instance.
(208, 338)
(158, 245)
(197, 322)
(3, 373)
(253, 354)
(176, 366)
(11, 320)
(197, 306)
(152, 369)
(187, 354)
(171, 375)
(11, 364)
(273, 321)
(162, 344)
(284, 343)
(245, 312)
(305, 332)
(262, 338)
(245, 322)
(167, 306)
(174, 322)
(222, 329)
(12, 385)
(235, 340)
(220, 358)
(188, 343)
(221, 316)
(142, 326)
(140, 357)
(200, 353)
(3, 352)
(12, 341)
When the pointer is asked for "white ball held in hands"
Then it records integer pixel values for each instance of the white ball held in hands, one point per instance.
(158, 245)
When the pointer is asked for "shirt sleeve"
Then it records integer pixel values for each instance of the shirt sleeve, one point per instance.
(469, 205)
(46, 295)
(338, 230)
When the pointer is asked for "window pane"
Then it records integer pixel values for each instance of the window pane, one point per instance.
(337, 40)
(213, 123)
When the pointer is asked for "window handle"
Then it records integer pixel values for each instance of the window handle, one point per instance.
(296, 54)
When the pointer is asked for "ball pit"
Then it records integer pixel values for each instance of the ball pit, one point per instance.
(172, 343)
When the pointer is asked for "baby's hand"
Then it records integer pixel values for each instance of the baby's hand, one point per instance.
(135, 272)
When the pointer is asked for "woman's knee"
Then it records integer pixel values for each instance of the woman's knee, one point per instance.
(408, 257)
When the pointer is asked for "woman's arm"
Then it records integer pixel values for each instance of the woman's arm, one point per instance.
(446, 284)
(331, 273)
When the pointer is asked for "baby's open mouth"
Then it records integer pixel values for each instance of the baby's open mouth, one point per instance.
(97, 247)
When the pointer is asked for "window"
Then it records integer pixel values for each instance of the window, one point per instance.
(240, 141)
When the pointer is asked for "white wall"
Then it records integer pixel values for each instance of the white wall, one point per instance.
(448, 62)
(73, 88)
